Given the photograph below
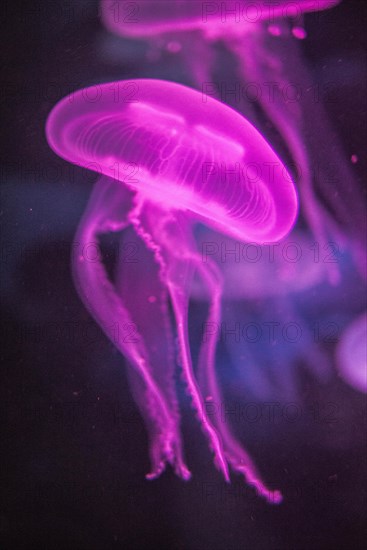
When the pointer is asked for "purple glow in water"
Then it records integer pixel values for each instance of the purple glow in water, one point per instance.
(266, 337)
(351, 354)
(164, 153)
(252, 272)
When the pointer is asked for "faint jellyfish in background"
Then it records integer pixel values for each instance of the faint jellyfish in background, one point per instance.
(351, 354)
(152, 152)
(192, 27)
(274, 77)
(266, 336)
(330, 197)
(168, 27)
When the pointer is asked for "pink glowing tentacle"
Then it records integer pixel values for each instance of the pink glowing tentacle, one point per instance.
(180, 301)
(148, 304)
(289, 120)
(107, 211)
(236, 455)
(345, 224)
(180, 262)
(199, 57)
(171, 239)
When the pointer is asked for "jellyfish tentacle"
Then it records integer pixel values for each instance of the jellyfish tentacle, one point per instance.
(230, 450)
(179, 261)
(235, 454)
(288, 118)
(296, 119)
(108, 211)
(199, 58)
(148, 304)
(180, 301)
(169, 237)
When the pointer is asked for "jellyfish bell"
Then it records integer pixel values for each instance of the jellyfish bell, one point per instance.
(351, 354)
(155, 149)
(183, 150)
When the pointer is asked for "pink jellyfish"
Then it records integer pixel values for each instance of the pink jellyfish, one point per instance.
(351, 354)
(167, 160)
(261, 35)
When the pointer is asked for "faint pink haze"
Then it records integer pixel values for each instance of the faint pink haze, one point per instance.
(351, 354)
(253, 272)
(166, 157)
(263, 287)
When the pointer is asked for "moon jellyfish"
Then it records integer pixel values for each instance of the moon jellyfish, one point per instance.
(156, 156)
(351, 354)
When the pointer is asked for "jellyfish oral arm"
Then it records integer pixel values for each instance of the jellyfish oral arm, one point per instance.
(171, 241)
(297, 120)
(235, 454)
(179, 258)
(104, 214)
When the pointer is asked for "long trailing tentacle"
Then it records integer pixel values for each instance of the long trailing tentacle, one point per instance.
(108, 211)
(287, 96)
(137, 269)
(236, 455)
(169, 237)
(287, 118)
(175, 244)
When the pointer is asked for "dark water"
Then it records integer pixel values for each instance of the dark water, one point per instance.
(74, 446)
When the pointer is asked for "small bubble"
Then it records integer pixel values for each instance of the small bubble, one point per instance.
(174, 46)
(354, 159)
(152, 299)
(299, 32)
(274, 30)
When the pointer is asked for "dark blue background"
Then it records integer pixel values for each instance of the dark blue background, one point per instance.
(74, 448)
